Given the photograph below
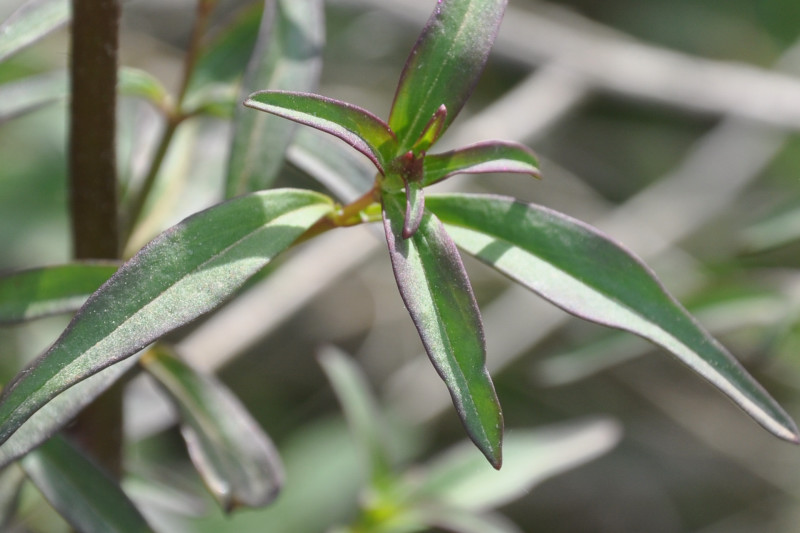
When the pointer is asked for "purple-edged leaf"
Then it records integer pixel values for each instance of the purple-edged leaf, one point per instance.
(235, 458)
(288, 55)
(444, 65)
(184, 272)
(356, 126)
(438, 295)
(585, 273)
(480, 158)
(80, 491)
(39, 292)
(32, 21)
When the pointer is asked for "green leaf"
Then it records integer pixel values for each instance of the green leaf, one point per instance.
(225, 57)
(356, 126)
(184, 272)
(360, 409)
(11, 480)
(236, 460)
(585, 273)
(438, 295)
(39, 292)
(82, 493)
(31, 93)
(56, 413)
(444, 65)
(141, 84)
(464, 521)
(288, 56)
(32, 21)
(458, 480)
(415, 208)
(432, 131)
(480, 158)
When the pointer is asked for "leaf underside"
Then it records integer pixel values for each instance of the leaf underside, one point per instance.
(439, 298)
(585, 273)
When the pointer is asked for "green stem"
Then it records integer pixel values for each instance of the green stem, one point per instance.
(139, 198)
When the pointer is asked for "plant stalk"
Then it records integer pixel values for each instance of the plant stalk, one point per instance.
(93, 189)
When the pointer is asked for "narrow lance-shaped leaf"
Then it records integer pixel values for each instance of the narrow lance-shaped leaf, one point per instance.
(184, 272)
(444, 65)
(288, 55)
(356, 126)
(32, 21)
(82, 493)
(480, 158)
(60, 410)
(585, 273)
(360, 409)
(235, 458)
(438, 295)
(39, 292)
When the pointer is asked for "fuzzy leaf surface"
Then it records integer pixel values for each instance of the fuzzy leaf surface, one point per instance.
(585, 273)
(30, 22)
(438, 296)
(444, 65)
(480, 158)
(39, 292)
(82, 493)
(356, 126)
(235, 458)
(184, 272)
(288, 55)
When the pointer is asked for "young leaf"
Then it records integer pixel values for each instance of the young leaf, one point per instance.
(237, 461)
(82, 493)
(480, 158)
(415, 208)
(45, 422)
(32, 21)
(356, 126)
(437, 293)
(360, 409)
(39, 292)
(585, 273)
(287, 56)
(444, 65)
(141, 84)
(183, 273)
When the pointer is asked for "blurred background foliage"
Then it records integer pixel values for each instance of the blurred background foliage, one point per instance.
(671, 124)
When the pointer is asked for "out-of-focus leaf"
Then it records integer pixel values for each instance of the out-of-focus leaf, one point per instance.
(360, 409)
(438, 295)
(184, 272)
(39, 292)
(31, 93)
(11, 480)
(480, 158)
(237, 461)
(60, 410)
(356, 126)
(585, 273)
(225, 57)
(460, 520)
(287, 56)
(32, 21)
(458, 479)
(82, 493)
(444, 65)
(141, 84)
(343, 172)
(777, 230)
(217, 100)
